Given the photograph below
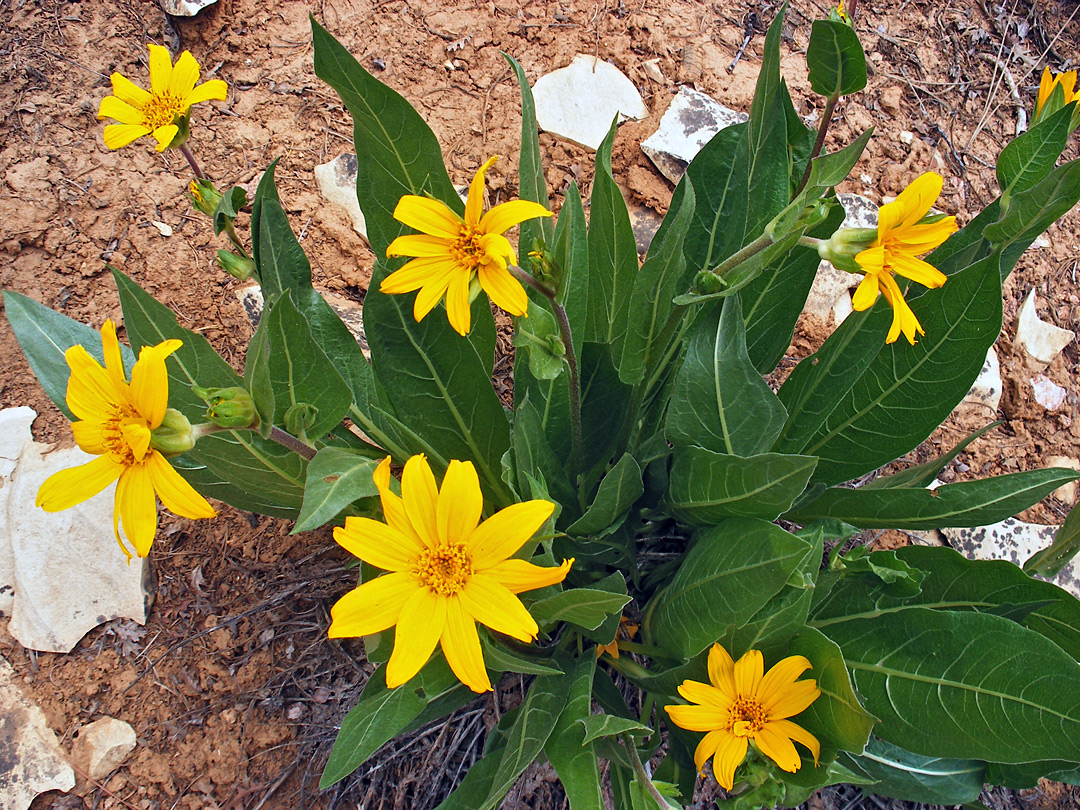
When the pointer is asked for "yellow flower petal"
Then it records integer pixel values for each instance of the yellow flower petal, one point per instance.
(88, 436)
(119, 135)
(420, 493)
(419, 627)
(1046, 86)
(497, 250)
(505, 290)
(722, 671)
(502, 534)
(707, 747)
(428, 216)
(136, 507)
(729, 756)
(918, 271)
(519, 576)
(378, 544)
(433, 292)
(799, 735)
(419, 245)
(129, 92)
(160, 69)
(461, 646)
(91, 392)
(458, 309)
(506, 215)
(698, 718)
(904, 319)
(777, 747)
(475, 201)
(118, 110)
(137, 438)
(923, 238)
(213, 90)
(460, 502)
(164, 136)
(175, 492)
(150, 381)
(706, 694)
(110, 349)
(65, 488)
(394, 509)
(911, 205)
(791, 700)
(748, 672)
(492, 604)
(372, 607)
(185, 74)
(866, 293)
(418, 273)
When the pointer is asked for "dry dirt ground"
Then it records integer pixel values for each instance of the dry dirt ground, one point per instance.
(232, 686)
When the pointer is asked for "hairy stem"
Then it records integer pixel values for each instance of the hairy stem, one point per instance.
(290, 442)
(194, 164)
(640, 771)
(823, 128)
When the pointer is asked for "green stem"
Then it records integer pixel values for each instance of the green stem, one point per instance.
(194, 164)
(286, 440)
(571, 362)
(810, 242)
(231, 233)
(639, 771)
(823, 128)
(743, 254)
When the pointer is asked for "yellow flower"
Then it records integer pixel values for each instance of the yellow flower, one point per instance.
(625, 630)
(741, 706)
(447, 572)
(158, 112)
(901, 238)
(116, 418)
(450, 251)
(1049, 81)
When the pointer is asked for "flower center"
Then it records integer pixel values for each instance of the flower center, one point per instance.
(444, 569)
(116, 442)
(746, 717)
(161, 110)
(466, 250)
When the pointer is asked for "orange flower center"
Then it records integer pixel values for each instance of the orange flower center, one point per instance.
(112, 435)
(747, 717)
(445, 569)
(466, 250)
(161, 110)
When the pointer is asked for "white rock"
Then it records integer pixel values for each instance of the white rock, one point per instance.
(163, 229)
(842, 308)
(1041, 341)
(14, 433)
(859, 211)
(1016, 541)
(337, 183)
(70, 574)
(652, 70)
(988, 385)
(690, 122)
(830, 284)
(101, 747)
(906, 137)
(1066, 493)
(579, 102)
(1047, 394)
(185, 8)
(31, 760)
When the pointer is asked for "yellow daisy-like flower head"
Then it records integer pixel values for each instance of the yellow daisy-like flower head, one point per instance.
(1067, 82)
(744, 704)
(447, 571)
(450, 252)
(162, 111)
(902, 237)
(116, 418)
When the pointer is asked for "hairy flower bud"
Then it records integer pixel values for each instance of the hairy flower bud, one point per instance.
(239, 267)
(228, 407)
(204, 196)
(844, 245)
(174, 435)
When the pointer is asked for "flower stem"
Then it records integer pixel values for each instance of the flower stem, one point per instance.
(641, 773)
(290, 442)
(810, 242)
(743, 254)
(823, 128)
(194, 164)
(571, 362)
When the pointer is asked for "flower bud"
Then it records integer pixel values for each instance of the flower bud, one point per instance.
(174, 435)
(843, 246)
(228, 407)
(204, 196)
(300, 417)
(239, 267)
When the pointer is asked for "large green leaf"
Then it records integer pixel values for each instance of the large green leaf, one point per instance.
(1050, 560)
(900, 774)
(719, 401)
(604, 402)
(534, 457)
(952, 582)
(907, 391)
(574, 758)
(239, 467)
(922, 475)
(729, 574)
(969, 503)
(613, 257)
(1033, 211)
(706, 487)
(531, 182)
(618, 491)
(585, 607)
(964, 685)
(336, 477)
(45, 335)
(835, 59)
(1029, 157)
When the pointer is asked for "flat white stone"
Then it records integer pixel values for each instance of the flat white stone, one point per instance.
(579, 102)
(102, 746)
(1016, 541)
(14, 433)
(337, 183)
(31, 760)
(70, 574)
(1041, 341)
(690, 121)
(185, 8)
(988, 385)
(831, 284)
(1066, 493)
(1047, 393)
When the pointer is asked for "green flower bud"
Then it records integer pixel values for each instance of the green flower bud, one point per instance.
(204, 196)
(300, 417)
(183, 130)
(228, 407)
(843, 246)
(707, 282)
(174, 435)
(239, 267)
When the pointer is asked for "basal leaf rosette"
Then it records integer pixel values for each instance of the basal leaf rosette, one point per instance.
(447, 571)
